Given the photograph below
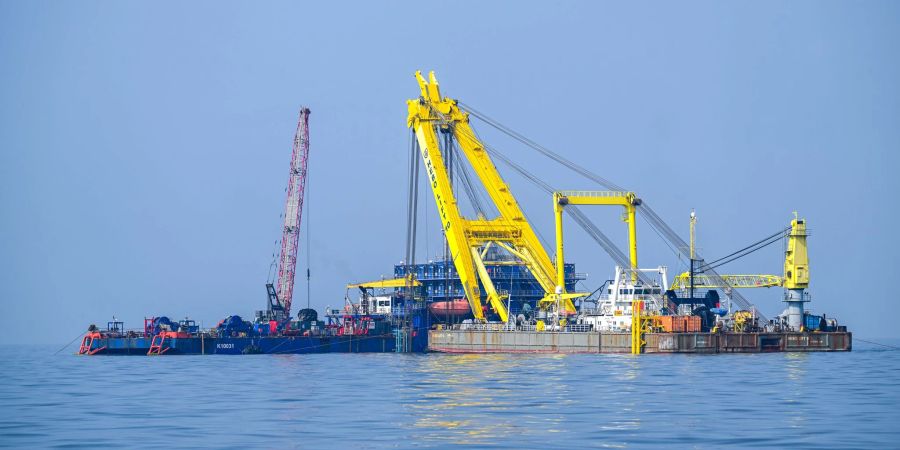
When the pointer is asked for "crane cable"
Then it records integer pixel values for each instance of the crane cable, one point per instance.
(614, 252)
(412, 205)
(617, 255)
(308, 246)
(607, 244)
(543, 150)
(474, 136)
(463, 174)
(646, 211)
(745, 251)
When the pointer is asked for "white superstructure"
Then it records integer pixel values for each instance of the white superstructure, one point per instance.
(613, 307)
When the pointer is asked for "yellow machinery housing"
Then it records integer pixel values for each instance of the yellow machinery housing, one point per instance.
(796, 258)
(795, 280)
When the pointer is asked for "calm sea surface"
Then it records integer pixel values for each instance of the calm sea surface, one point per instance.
(849, 400)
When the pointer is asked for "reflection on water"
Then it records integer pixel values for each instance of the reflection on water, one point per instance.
(507, 401)
(475, 399)
(795, 387)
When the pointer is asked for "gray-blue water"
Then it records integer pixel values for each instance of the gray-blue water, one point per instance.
(841, 400)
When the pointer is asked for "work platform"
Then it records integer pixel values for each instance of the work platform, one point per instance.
(489, 341)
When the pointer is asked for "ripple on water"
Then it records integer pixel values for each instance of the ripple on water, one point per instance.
(502, 401)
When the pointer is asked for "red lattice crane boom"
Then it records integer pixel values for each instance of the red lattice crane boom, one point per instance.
(281, 295)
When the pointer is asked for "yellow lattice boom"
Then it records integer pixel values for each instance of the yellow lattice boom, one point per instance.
(431, 114)
(703, 281)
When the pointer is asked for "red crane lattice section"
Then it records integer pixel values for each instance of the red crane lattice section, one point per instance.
(293, 211)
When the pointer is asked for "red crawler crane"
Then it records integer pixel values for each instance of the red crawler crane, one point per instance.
(280, 297)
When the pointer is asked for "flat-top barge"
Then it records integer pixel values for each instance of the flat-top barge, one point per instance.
(506, 341)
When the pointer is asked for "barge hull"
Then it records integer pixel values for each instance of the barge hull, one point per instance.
(479, 341)
(247, 345)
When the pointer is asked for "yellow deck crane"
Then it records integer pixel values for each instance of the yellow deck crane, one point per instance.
(366, 304)
(795, 279)
(468, 239)
(688, 280)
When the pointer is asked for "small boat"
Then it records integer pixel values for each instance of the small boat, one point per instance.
(452, 308)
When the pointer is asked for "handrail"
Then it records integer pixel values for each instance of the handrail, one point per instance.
(594, 193)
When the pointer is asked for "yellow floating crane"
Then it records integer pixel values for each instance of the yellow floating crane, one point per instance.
(468, 239)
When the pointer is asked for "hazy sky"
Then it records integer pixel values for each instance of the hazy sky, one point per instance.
(144, 147)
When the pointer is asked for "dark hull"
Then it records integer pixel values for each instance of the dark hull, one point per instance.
(258, 345)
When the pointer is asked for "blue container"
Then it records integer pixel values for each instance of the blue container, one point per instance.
(262, 329)
(812, 322)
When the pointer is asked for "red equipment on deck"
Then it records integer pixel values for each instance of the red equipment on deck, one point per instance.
(452, 308)
(87, 344)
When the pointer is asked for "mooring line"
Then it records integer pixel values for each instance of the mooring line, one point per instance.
(70, 342)
(877, 343)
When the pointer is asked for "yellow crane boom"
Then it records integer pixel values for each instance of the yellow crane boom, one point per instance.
(703, 281)
(431, 114)
(386, 284)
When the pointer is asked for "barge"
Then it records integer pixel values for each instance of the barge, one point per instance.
(99, 343)
(502, 341)
(348, 331)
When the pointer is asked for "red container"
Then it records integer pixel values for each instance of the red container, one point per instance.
(678, 324)
(664, 322)
(692, 324)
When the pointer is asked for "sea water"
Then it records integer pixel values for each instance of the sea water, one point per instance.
(815, 400)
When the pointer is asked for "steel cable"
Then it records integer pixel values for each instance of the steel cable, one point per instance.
(651, 215)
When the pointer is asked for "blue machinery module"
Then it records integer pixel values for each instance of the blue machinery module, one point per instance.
(440, 282)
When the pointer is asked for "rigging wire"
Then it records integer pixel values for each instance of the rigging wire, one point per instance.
(466, 180)
(580, 218)
(607, 244)
(80, 334)
(425, 214)
(543, 150)
(308, 246)
(877, 343)
(475, 136)
(412, 205)
(777, 236)
(772, 239)
(643, 207)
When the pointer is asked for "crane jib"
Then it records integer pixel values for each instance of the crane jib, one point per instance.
(293, 212)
